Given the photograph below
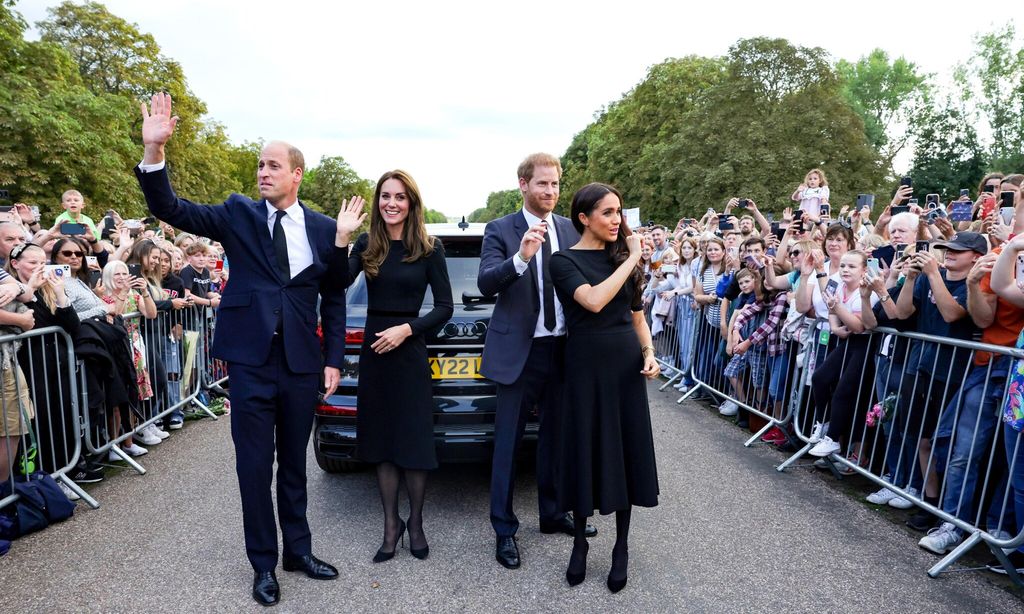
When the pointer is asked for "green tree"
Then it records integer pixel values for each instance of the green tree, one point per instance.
(434, 217)
(57, 133)
(889, 96)
(947, 153)
(331, 181)
(778, 113)
(498, 204)
(994, 79)
(625, 145)
(116, 59)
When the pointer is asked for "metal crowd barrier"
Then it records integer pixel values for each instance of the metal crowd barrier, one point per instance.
(913, 413)
(173, 344)
(40, 426)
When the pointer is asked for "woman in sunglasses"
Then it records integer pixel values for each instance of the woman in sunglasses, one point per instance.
(72, 251)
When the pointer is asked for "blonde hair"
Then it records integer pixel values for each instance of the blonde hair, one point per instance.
(45, 291)
(821, 175)
(109, 272)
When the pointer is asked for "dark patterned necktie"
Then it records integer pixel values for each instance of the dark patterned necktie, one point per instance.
(549, 287)
(281, 246)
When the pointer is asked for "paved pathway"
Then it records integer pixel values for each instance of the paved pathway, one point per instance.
(730, 535)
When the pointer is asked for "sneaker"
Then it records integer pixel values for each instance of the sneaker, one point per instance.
(882, 497)
(728, 409)
(148, 437)
(156, 430)
(1016, 559)
(83, 475)
(774, 436)
(942, 539)
(922, 520)
(819, 430)
(112, 457)
(821, 463)
(681, 386)
(70, 494)
(903, 504)
(825, 447)
(135, 450)
(175, 424)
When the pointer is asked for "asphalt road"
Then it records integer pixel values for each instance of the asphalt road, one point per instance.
(730, 535)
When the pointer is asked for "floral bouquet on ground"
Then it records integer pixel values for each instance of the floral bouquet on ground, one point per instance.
(880, 413)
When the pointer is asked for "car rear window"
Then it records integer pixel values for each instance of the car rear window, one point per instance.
(463, 257)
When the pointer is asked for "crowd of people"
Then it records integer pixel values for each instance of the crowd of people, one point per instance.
(740, 301)
(128, 294)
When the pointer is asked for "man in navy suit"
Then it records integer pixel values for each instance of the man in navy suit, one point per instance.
(525, 348)
(282, 257)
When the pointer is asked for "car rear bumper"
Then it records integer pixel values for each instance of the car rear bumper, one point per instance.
(455, 443)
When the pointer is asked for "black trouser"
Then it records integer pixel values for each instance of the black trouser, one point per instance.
(271, 402)
(539, 384)
(836, 383)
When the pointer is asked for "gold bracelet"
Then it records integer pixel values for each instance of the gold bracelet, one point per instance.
(647, 348)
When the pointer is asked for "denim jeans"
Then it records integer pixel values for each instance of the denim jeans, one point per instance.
(978, 408)
(1014, 444)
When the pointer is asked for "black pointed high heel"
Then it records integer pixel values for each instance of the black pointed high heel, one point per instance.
(576, 577)
(382, 556)
(617, 584)
(420, 553)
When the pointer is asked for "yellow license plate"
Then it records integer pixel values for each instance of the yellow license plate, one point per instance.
(456, 367)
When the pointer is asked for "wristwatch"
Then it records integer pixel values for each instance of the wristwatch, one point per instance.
(821, 275)
(884, 298)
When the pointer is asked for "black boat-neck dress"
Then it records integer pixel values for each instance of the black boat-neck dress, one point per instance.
(607, 448)
(394, 397)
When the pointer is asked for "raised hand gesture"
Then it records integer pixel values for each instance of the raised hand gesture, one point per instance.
(157, 126)
(350, 217)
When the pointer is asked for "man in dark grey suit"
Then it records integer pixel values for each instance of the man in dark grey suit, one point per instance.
(524, 351)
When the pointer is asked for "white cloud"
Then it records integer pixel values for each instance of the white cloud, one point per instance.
(457, 93)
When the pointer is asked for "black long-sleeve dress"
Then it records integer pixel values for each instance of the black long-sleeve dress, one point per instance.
(607, 448)
(395, 404)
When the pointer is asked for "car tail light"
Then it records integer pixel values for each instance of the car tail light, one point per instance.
(353, 336)
(335, 410)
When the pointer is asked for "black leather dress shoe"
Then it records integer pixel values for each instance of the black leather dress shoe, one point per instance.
(507, 552)
(565, 525)
(265, 589)
(312, 567)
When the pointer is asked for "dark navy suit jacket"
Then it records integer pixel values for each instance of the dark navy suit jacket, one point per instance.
(510, 333)
(258, 298)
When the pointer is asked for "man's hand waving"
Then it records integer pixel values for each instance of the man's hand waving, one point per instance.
(157, 127)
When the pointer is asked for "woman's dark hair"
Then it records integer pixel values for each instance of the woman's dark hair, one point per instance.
(585, 201)
(83, 270)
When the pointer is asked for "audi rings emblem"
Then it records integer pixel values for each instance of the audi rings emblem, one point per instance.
(464, 329)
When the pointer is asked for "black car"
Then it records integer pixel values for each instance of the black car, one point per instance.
(464, 401)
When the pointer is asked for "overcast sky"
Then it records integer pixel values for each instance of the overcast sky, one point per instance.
(457, 93)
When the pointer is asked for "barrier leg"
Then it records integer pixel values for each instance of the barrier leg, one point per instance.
(93, 503)
(792, 459)
(1007, 565)
(204, 408)
(757, 436)
(671, 381)
(689, 393)
(955, 555)
(128, 459)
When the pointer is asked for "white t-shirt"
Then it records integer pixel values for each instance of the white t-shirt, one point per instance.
(811, 199)
(851, 301)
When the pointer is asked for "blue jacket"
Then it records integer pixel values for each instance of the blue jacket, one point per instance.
(510, 333)
(258, 299)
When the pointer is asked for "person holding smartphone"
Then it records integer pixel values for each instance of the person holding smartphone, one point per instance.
(836, 390)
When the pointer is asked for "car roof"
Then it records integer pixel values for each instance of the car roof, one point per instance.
(442, 231)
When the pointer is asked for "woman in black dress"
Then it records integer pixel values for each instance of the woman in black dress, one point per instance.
(394, 402)
(607, 450)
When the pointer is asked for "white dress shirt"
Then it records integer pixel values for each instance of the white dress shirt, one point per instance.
(300, 254)
(540, 330)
